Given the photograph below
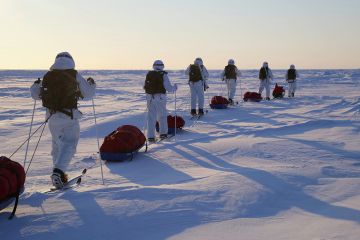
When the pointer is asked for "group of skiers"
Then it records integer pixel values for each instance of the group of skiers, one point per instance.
(63, 86)
(265, 76)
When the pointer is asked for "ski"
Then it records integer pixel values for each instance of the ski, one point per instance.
(73, 182)
(194, 117)
(234, 104)
(153, 142)
(198, 117)
(158, 140)
(165, 139)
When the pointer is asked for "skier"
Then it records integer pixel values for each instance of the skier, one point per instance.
(59, 91)
(156, 85)
(197, 81)
(265, 76)
(291, 76)
(230, 75)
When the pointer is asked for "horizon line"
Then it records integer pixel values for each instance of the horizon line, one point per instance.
(212, 69)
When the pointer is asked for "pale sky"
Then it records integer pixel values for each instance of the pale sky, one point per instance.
(131, 34)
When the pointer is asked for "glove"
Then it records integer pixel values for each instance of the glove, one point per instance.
(38, 81)
(175, 87)
(91, 81)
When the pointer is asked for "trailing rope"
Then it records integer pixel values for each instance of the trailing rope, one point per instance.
(36, 147)
(28, 139)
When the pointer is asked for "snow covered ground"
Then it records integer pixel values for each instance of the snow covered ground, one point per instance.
(284, 169)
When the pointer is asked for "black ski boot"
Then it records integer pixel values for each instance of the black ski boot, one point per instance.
(268, 98)
(293, 94)
(151, 140)
(193, 112)
(163, 136)
(231, 102)
(58, 178)
(201, 112)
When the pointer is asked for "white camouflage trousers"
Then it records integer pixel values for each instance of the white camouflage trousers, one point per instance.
(65, 136)
(156, 105)
(197, 94)
(292, 88)
(231, 86)
(265, 84)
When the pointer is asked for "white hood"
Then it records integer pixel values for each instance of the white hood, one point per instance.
(198, 61)
(158, 65)
(63, 61)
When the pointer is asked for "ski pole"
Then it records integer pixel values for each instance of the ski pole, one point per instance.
(28, 142)
(204, 86)
(228, 88)
(207, 100)
(222, 86)
(145, 121)
(145, 128)
(188, 102)
(240, 90)
(98, 144)
(175, 116)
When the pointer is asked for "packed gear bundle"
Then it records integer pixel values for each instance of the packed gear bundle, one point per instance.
(154, 82)
(60, 91)
(12, 179)
(195, 73)
(122, 144)
(263, 73)
(230, 72)
(219, 102)
(252, 97)
(291, 75)
(278, 92)
(179, 124)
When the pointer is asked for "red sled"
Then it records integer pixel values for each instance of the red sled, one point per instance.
(252, 97)
(122, 144)
(278, 92)
(180, 123)
(219, 102)
(12, 179)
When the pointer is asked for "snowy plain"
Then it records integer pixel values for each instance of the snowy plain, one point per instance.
(280, 169)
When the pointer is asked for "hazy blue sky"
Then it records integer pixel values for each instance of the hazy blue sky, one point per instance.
(130, 34)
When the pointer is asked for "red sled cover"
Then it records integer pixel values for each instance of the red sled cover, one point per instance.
(12, 178)
(216, 100)
(180, 123)
(252, 97)
(278, 91)
(124, 139)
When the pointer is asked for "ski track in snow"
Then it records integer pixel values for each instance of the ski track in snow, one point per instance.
(283, 169)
